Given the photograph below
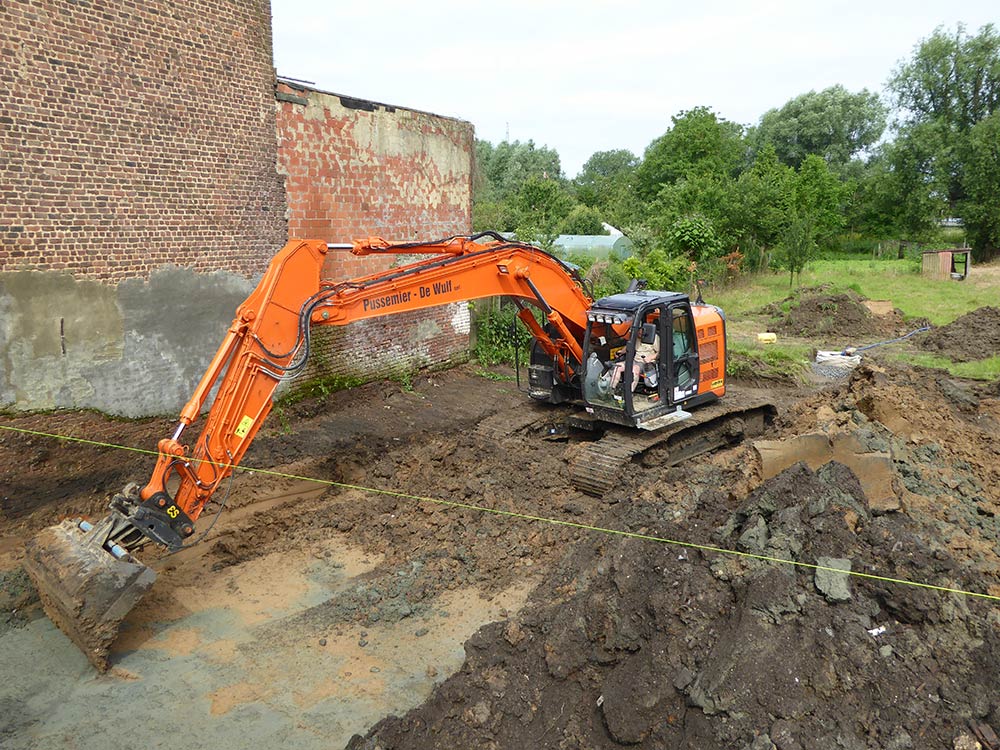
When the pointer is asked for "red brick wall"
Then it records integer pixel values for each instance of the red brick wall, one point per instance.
(137, 134)
(354, 169)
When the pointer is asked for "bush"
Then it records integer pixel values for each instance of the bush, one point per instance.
(498, 333)
(660, 270)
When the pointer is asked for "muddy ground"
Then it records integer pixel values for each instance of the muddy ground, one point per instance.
(313, 614)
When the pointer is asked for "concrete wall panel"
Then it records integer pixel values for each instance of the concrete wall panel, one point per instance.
(132, 350)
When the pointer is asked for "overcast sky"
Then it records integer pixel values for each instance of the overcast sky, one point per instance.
(590, 75)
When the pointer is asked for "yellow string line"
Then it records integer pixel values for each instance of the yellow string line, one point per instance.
(528, 517)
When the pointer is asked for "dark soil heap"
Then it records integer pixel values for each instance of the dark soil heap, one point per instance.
(974, 336)
(658, 646)
(817, 312)
(820, 313)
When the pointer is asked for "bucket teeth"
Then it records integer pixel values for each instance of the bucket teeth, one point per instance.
(85, 590)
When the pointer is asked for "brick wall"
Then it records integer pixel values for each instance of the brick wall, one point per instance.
(355, 168)
(142, 193)
(136, 135)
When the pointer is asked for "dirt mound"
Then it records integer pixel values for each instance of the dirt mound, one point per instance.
(817, 312)
(974, 336)
(637, 643)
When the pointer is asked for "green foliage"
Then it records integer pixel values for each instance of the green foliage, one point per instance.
(497, 377)
(498, 333)
(981, 205)
(797, 246)
(818, 194)
(583, 220)
(833, 124)
(603, 174)
(660, 270)
(501, 170)
(807, 179)
(542, 207)
(318, 387)
(951, 84)
(694, 237)
(499, 216)
(699, 143)
(952, 78)
(764, 194)
(607, 277)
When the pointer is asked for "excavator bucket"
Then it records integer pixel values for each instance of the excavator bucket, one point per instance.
(86, 589)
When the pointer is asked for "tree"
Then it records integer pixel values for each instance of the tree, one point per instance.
(949, 86)
(763, 199)
(601, 173)
(542, 206)
(905, 197)
(607, 182)
(818, 194)
(797, 246)
(981, 207)
(503, 168)
(953, 78)
(583, 220)
(834, 124)
(694, 237)
(700, 143)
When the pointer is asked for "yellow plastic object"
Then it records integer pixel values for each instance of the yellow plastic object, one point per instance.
(767, 338)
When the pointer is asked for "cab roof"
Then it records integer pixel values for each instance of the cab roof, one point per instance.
(631, 301)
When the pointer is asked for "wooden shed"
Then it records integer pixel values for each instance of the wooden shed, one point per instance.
(954, 263)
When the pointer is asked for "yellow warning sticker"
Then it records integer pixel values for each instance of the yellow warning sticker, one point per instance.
(715, 384)
(244, 426)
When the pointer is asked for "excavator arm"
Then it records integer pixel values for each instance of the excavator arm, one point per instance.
(269, 342)
(87, 574)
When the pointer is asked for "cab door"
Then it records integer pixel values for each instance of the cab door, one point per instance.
(682, 354)
(647, 383)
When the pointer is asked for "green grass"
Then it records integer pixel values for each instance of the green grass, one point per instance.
(784, 362)
(983, 369)
(897, 280)
(900, 281)
(497, 377)
(316, 388)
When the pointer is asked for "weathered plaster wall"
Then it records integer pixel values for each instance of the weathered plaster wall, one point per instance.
(134, 349)
(356, 168)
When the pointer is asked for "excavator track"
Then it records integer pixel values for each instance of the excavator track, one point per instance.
(598, 466)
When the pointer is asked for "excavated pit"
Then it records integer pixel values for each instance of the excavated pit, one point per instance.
(312, 612)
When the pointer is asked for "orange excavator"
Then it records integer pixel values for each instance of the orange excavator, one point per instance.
(637, 359)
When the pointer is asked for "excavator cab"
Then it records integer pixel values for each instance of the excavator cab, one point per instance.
(641, 364)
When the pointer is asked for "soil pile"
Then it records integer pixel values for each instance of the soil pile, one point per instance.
(816, 312)
(646, 644)
(974, 336)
